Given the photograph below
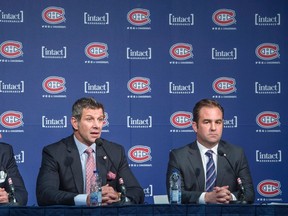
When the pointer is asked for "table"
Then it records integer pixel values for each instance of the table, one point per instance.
(150, 209)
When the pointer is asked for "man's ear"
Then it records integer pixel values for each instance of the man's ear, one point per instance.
(194, 126)
(74, 123)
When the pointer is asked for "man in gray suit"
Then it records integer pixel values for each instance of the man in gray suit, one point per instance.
(225, 177)
(62, 180)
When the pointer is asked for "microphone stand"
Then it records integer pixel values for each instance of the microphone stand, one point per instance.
(241, 199)
(124, 200)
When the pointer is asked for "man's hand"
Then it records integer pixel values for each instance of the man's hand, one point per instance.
(219, 195)
(109, 195)
(3, 196)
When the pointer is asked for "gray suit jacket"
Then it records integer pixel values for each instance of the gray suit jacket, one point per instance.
(60, 177)
(188, 160)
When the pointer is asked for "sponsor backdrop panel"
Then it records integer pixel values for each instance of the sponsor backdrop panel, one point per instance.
(148, 62)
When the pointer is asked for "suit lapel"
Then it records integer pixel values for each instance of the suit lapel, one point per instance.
(76, 167)
(220, 166)
(197, 165)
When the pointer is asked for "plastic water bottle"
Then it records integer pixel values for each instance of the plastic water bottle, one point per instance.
(175, 187)
(96, 190)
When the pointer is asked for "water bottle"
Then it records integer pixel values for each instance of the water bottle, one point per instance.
(175, 187)
(96, 190)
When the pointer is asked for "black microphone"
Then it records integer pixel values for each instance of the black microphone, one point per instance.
(241, 195)
(123, 198)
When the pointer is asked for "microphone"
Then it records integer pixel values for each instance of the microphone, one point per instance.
(123, 198)
(241, 195)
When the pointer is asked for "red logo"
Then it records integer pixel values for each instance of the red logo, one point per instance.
(139, 85)
(54, 85)
(96, 50)
(11, 119)
(11, 49)
(138, 17)
(53, 15)
(181, 119)
(139, 154)
(269, 188)
(181, 51)
(224, 17)
(267, 51)
(268, 119)
(105, 123)
(224, 85)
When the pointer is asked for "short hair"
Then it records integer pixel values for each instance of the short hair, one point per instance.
(82, 103)
(205, 103)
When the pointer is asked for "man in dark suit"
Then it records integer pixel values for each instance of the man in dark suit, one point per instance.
(62, 180)
(9, 169)
(191, 161)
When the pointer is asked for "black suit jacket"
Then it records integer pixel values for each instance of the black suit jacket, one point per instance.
(8, 165)
(188, 160)
(60, 176)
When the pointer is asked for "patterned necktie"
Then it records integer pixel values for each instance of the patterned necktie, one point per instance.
(210, 172)
(90, 167)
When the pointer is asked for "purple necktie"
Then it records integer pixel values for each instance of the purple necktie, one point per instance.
(90, 167)
(210, 172)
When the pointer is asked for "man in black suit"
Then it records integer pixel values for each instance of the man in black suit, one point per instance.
(62, 180)
(9, 169)
(191, 161)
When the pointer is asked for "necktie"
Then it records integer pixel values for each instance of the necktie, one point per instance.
(90, 167)
(210, 172)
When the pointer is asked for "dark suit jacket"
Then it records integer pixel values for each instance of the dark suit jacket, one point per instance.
(60, 177)
(188, 160)
(8, 165)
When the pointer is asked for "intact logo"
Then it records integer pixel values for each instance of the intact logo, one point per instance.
(96, 50)
(53, 15)
(181, 51)
(224, 85)
(11, 49)
(138, 17)
(181, 119)
(267, 51)
(12, 119)
(224, 17)
(269, 188)
(19, 158)
(268, 119)
(139, 154)
(139, 85)
(54, 85)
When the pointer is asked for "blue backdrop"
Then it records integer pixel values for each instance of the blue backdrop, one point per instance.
(148, 62)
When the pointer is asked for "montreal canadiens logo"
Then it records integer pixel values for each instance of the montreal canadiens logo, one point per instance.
(96, 51)
(181, 119)
(139, 154)
(11, 119)
(11, 49)
(138, 17)
(139, 85)
(181, 51)
(267, 51)
(106, 123)
(53, 15)
(224, 17)
(268, 119)
(224, 85)
(269, 188)
(54, 84)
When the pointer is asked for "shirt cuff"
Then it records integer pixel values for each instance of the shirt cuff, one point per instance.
(80, 200)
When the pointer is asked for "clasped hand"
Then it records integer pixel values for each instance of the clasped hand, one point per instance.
(109, 195)
(4, 198)
(219, 195)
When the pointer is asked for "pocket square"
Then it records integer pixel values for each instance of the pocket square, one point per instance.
(111, 175)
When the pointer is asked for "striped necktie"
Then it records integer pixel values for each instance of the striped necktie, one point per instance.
(90, 167)
(210, 172)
